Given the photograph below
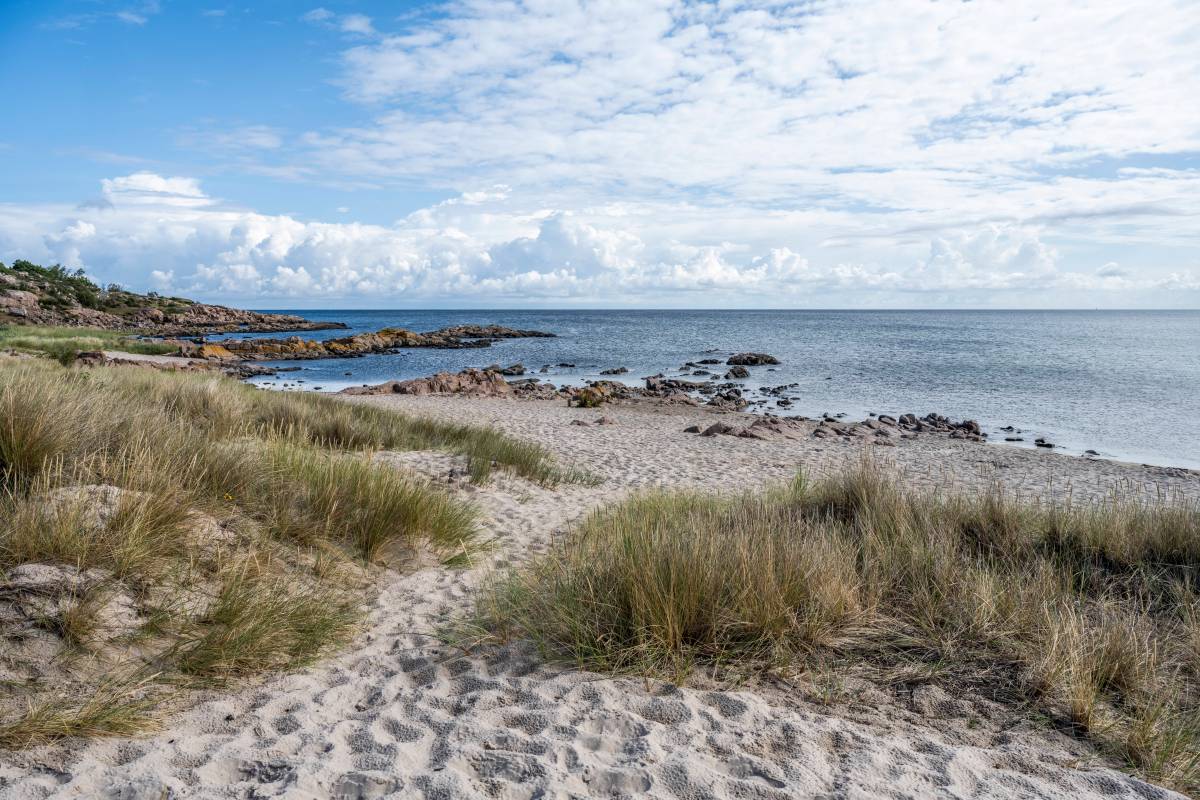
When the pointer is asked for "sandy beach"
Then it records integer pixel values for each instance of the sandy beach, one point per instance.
(398, 714)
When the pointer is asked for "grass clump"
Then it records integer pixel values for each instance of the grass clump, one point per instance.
(114, 708)
(261, 619)
(65, 344)
(1086, 612)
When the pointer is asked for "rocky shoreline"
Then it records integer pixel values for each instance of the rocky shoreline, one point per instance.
(882, 429)
(386, 340)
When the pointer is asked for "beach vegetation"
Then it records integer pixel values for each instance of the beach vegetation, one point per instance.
(199, 529)
(1083, 613)
(64, 344)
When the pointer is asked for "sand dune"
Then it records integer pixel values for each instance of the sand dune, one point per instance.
(400, 715)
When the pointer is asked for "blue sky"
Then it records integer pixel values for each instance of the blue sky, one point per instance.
(652, 153)
(145, 91)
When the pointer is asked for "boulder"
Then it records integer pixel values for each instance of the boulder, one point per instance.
(751, 359)
(615, 371)
(470, 382)
(737, 372)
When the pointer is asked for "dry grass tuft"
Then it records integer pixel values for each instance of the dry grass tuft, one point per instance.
(114, 708)
(1088, 612)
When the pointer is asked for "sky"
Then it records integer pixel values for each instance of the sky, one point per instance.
(609, 153)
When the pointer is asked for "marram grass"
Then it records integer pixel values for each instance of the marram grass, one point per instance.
(1087, 613)
(266, 504)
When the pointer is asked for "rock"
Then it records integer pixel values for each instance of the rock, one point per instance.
(513, 369)
(708, 361)
(692, 429)
(382, 341)
(489, 332)
(470, 382)
(606, 421)
(16, 300)
(1090, 453)
(737, 372)
(615, 371)
(729, 400)
(751, 359)
(214, 352)
(1013, 439)
(581, 422)
(1040, 442)
(717, 428)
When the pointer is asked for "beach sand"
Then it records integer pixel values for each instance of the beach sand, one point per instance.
(398, 714)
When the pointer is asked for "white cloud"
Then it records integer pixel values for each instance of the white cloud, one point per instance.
(148, 188)
(356, 23)
(488, 250)
(713, 152)
(317, 15)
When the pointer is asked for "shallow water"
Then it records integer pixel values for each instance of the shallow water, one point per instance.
(1123, 383)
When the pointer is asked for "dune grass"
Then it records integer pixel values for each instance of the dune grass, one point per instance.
(64, 344)
(239, 521)
(1086, 613)
(116, 707)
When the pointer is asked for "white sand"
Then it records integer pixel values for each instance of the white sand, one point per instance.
(397, 715)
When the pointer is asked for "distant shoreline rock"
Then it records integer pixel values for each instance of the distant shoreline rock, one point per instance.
(34, 295)
(382, 341)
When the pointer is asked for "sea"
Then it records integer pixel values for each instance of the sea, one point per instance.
(1125, 384)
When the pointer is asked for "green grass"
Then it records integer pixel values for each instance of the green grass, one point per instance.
(1086, 613)
(262, 620)
(65, 344)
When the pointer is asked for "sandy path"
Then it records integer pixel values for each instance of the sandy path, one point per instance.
(397, 715)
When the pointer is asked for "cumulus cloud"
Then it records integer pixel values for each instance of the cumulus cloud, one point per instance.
(479, 247)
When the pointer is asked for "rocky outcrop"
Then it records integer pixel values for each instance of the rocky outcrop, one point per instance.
(196, 363)
(477, 382)
(383, 341)
(35, 295)
(492, 332)
(751, 359)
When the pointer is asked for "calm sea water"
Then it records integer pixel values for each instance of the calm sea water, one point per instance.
(1123, 383)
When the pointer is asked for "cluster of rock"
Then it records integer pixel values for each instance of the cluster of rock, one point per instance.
(476, 382)
(382, 341)
(192, 358)
(881, 430)
(25, 300)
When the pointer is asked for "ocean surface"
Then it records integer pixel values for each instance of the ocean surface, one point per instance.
(1123, 383)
